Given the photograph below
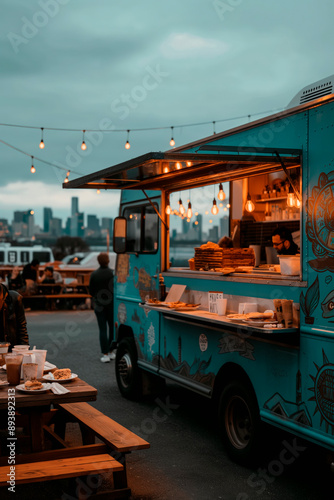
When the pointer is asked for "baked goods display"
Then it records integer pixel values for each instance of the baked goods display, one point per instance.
(33, 385)
(266, 315)
(211, 256)
(62, 374)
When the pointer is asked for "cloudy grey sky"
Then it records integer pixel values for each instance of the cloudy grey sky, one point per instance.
(111, 65)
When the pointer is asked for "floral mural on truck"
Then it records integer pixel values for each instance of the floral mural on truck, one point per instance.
(323, 392)
(320, 223)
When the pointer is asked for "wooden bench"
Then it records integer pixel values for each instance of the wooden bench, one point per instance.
(94, 424)
(61, 468)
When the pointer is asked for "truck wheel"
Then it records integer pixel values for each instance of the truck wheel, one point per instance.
(239, 421)
(128, 374)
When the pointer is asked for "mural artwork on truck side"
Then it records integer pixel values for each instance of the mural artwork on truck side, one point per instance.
(310, 301)
(323, 392)
(320, 223)
(145, 284)
(122, 268)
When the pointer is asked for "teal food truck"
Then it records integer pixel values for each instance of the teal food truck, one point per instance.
(270, 355)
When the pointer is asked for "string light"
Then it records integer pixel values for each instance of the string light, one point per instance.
(168, 209)
(172, 142)
(98, 191)
(249, 206)
(67, 176)
(127, 144)
(214, 127)
(41, 144)
(83, 145)
(221, 194)
(32, 168)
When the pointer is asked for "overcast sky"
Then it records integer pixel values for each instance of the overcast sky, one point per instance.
(111, 65)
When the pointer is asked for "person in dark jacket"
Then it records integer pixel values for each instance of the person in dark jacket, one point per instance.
(13, 324)
(101, 289)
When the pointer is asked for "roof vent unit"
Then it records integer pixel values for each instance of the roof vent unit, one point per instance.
(312, 92)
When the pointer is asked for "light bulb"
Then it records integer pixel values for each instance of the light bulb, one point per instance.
(66, 179)
(172, 142)
(221, 194)
(298, 203)
(189, 211)
(249, 206)
(181, 207)
(214, 209)
(32, 169)
(168, 209)
(290, 200)
(41, 144)
(98, 191)
(83, 146)
(178, 165)
(127, 145)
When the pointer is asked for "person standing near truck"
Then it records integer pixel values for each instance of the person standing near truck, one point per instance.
(101, 289)
(13, 324)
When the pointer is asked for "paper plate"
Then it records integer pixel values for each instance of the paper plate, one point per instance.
(50, 378)
(22, 388)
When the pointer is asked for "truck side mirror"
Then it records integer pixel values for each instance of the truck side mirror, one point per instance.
(119, 237)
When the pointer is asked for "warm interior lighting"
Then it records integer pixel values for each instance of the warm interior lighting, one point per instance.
(221, 194)
(98, 191)
(168, 210)
(66, 179)
(178, 165)
(181, 207)
(298, 203)
(291, 198)
(189, 211)
(172, 142)
(214, 209)
(41, 144)
(249, 206)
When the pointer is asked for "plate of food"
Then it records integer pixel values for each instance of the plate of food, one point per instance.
(260, 322)
(183, 306)
(60, 375)
(157, 303)
(33, 386)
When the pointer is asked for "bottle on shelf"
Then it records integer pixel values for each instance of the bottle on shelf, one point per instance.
(162, 288)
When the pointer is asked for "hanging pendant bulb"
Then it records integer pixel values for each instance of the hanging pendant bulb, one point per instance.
(189, 211)
(214, 209)
(181, 207)
(168, 210)
(32, 168)
(172, 142)
(291, 198)
(127, 144)
(66, 179)
(298, 203)
(249, 206)
(98, 191)
(83, 144)
(221, 194)
(41, 144)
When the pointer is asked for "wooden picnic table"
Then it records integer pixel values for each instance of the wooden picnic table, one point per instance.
(37, 407)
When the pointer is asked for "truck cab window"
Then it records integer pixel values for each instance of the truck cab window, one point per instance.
(142, 229)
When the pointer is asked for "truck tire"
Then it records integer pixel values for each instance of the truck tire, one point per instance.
(128, 375)
(239, 421)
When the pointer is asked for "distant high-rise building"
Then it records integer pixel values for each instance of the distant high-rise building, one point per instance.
(93, 223)
(107, 223)
(55, 228)
(74, 205)
(47, 216)
(213, 234)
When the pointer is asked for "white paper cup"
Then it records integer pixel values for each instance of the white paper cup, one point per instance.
(221, 307)
(4, 347)
(22, 347)
(29, 371)
(40, 356)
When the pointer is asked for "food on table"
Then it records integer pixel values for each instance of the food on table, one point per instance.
(33, 385)
(62, 373)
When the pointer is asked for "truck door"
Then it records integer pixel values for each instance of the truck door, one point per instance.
(137, 279)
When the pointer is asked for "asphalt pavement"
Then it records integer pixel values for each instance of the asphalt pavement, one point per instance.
(186, 459)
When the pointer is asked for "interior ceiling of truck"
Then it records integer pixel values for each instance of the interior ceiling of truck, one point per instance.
(178, 171)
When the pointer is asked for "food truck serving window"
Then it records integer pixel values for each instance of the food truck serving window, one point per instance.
(142, 229)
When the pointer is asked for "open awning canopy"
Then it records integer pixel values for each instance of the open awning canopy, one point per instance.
(171, 171)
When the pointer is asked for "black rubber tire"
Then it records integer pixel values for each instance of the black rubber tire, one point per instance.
(128, 375)
(239, 422)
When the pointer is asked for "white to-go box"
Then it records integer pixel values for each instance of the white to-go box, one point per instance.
(212, 300)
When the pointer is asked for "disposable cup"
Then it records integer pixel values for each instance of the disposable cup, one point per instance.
(221, 306)
(29, 371)
(40, 356)
(4, 347)
(22, 347)
(13, 368)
